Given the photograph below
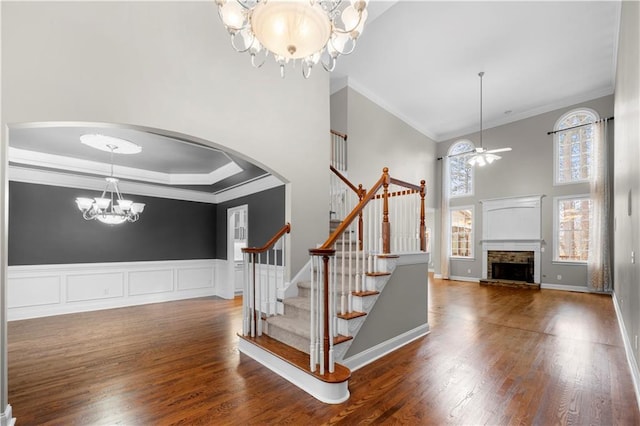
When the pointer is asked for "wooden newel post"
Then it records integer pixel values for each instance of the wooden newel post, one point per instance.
(423, 230)
(325, 284)
(325, 320)
(386, 226)
(254, 314)
(361, 194)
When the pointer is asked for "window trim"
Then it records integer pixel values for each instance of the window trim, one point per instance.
(556, 227)
(472, 174)
(556, 141)
(472, 239)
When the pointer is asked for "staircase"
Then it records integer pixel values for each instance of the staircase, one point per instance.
(305, 336)
(292, 327)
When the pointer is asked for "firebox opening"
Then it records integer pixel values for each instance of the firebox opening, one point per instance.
(512, 271)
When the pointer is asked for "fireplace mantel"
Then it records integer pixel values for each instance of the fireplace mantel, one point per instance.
(512, 224)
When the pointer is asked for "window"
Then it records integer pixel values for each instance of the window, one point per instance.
(573, 147)
(460, 173)
(462, 232)
(571, 239)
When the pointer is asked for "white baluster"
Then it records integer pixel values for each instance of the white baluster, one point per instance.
(312, 325)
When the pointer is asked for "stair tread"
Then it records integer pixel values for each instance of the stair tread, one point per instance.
(297, 358)
(365, 293)
(292, 325)
(351, 315)
(377, 274)
(301, 329)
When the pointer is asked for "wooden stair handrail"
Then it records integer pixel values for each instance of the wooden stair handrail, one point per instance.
(356, 211)
(284, 230)
(344, 179)
(342, 135)
(405, 184)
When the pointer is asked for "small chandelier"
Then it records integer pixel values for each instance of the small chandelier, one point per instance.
(104, 208)
(310, 30)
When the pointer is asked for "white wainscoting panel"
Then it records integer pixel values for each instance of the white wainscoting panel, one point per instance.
(81, 288)
(195, 278)
(34, 291)
(150, 282)
(44, 290)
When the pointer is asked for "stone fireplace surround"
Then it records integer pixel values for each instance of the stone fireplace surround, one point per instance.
(512, 225)
(523, 259)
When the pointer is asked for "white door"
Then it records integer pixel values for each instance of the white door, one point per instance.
(237, 238)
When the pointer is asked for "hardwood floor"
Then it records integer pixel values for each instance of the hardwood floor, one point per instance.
(495, 356)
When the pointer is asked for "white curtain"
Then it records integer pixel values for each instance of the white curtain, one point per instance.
(599, 262)
(445, 243)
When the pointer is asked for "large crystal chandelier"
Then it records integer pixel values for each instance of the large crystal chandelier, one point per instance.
(309, 30)
(104, 208)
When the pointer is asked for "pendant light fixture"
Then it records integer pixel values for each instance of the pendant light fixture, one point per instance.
(111, 207)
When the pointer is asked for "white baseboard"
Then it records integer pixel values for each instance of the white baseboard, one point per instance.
(44, 290)
(6, 417)
(628, 349)
(564, 287)
(467, 279)
(437, 276)
(329, 393)
(358, 361)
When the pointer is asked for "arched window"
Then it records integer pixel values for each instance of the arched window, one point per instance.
(460, 173)
(573, 147)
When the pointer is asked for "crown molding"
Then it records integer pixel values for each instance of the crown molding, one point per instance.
(59, 162)
(52, 178)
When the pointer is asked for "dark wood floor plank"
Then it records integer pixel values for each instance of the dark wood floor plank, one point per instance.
(494, 356)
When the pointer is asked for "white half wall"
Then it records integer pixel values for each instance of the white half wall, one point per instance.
(44, 290)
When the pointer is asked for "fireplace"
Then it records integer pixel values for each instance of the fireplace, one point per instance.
(511, 265)
(512, 234)
(512, 271)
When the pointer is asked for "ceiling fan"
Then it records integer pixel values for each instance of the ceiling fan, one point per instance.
(481, 156)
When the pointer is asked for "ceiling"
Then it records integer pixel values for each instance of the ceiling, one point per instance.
(420, 60)
(192, 171)
(417, 59)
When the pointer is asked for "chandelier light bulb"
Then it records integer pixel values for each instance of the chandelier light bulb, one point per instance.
(294, 29)
(233, 15)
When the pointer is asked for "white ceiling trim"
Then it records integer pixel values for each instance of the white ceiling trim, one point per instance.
(40, 159)
(258, 185)
(529, 113)
(487, 125)
(46, 177)
(364, 91)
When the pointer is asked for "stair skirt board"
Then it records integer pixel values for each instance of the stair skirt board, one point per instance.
(374, 353)
(329, 393)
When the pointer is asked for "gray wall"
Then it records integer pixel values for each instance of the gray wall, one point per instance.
(378, 139)
(170, 65)
(266, 217)
(527, 170)
(339, 112)
(45, 227)
(627, 172)
(401, 306)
